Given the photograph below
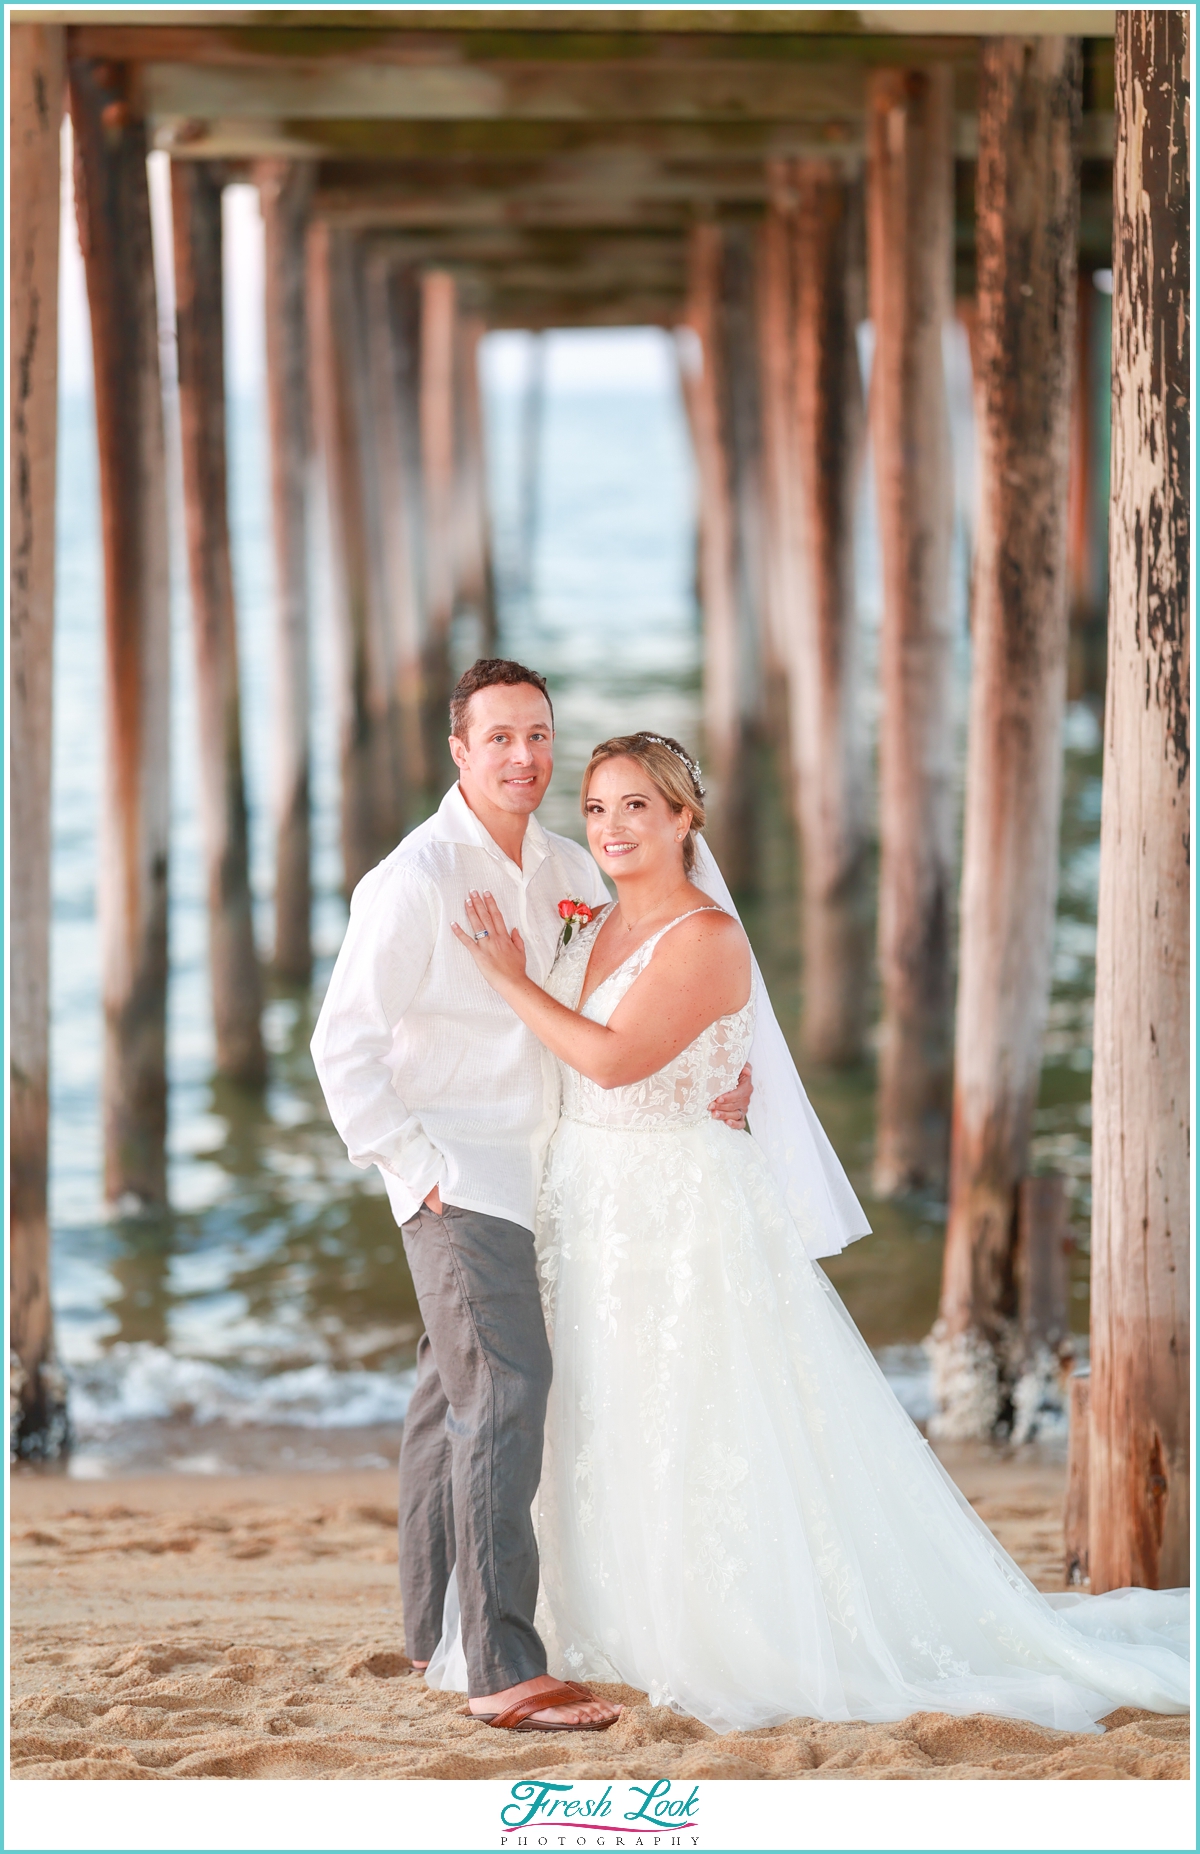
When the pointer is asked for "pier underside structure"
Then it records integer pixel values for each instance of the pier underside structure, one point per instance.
(767, 180)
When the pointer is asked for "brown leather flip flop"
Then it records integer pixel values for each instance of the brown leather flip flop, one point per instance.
(517, 1717)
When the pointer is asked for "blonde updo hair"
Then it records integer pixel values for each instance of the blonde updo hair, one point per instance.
(670, 770)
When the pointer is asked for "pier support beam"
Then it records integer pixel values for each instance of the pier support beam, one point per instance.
(233, 961)
(529, 465)
(1027, 202)
(476, 587)
(284, 191)
(813, 286)
(36, 77)
(113, 207)
(727, 422)
(372, 796)
(393, 309)
(439, 341)
(1139, 1473)
(910, 192)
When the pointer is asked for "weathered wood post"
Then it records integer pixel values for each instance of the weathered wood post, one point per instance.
(393, 301)
(829, 739)
(1139, 1480)
(371, 796)
(529, 466)
(1041, 1349)
(783, 551)
(1081, 487)
(233, 961)
(439, 319)
(476, 588)
(113, 207)
(284, 191)
(1027, 198)
(723, 313)
(36, 76)
(1075, 1505)
(910, 195)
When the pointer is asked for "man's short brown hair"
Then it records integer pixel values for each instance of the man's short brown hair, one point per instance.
(491, 673)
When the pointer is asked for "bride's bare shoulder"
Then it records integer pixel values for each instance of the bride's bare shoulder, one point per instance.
(710, 926)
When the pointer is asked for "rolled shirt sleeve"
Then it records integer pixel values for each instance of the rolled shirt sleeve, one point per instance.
(383, 961)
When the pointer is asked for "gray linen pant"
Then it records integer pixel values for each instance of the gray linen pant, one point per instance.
(471, 1455)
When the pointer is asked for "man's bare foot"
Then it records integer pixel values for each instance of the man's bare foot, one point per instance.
(418, 1667)
(585, 1712)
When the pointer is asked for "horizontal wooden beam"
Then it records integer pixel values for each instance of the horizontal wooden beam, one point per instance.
(694, 21)
(267, 47)
(466, 143)
(316, 90)
(354, 139)
(617, 311)
(629, 191)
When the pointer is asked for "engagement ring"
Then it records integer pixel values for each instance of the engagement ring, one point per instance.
(480, 936)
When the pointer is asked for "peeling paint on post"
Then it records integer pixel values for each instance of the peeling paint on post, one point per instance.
(1027, 201)
(36, 77)
(1139, 1477)
(113, 207)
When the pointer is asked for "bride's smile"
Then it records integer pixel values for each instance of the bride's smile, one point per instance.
(631, 829)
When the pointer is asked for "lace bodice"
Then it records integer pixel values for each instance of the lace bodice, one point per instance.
(677, 1095)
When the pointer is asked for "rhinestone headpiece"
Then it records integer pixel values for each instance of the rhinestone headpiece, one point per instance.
(693, 766)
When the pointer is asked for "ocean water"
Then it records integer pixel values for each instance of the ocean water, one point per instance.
(268, 1316)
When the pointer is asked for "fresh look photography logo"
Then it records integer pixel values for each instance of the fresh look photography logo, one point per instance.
(655, 1814)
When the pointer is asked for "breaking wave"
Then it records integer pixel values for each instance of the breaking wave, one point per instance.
(145, 1383)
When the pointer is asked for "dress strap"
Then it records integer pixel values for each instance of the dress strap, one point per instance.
(656, 937)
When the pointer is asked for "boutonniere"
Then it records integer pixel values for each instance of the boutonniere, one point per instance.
(576, 914)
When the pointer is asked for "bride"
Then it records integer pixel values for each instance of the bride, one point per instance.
(735, 1514)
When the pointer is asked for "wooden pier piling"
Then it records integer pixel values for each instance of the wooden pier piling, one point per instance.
(393, 320)
(284, 191)
(36, 79)
(476, 584)
(723, 313)
(1139, 1475)
(1027, 212)
(1041, 1350)
(439, 337)
(236, 979)
(372, 815)
(813, 286)
(910, 191)
(113, 207)
(1075, 1506)
(529, 467)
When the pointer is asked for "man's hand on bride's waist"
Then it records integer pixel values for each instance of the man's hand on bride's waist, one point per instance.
(731, 1107)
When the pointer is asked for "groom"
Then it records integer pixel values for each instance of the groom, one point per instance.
(429, 1075)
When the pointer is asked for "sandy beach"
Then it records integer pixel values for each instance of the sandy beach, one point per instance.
(182, 1626)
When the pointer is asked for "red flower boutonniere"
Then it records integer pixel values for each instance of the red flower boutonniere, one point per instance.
(576, 914)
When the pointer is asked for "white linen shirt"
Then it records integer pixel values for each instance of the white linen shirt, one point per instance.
(427, 1072)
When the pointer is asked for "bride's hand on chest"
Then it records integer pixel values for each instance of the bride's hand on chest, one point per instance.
(498, 953)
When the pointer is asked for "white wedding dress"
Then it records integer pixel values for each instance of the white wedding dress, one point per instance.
(735, 1514)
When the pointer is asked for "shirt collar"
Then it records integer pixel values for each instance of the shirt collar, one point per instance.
(457, 823)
